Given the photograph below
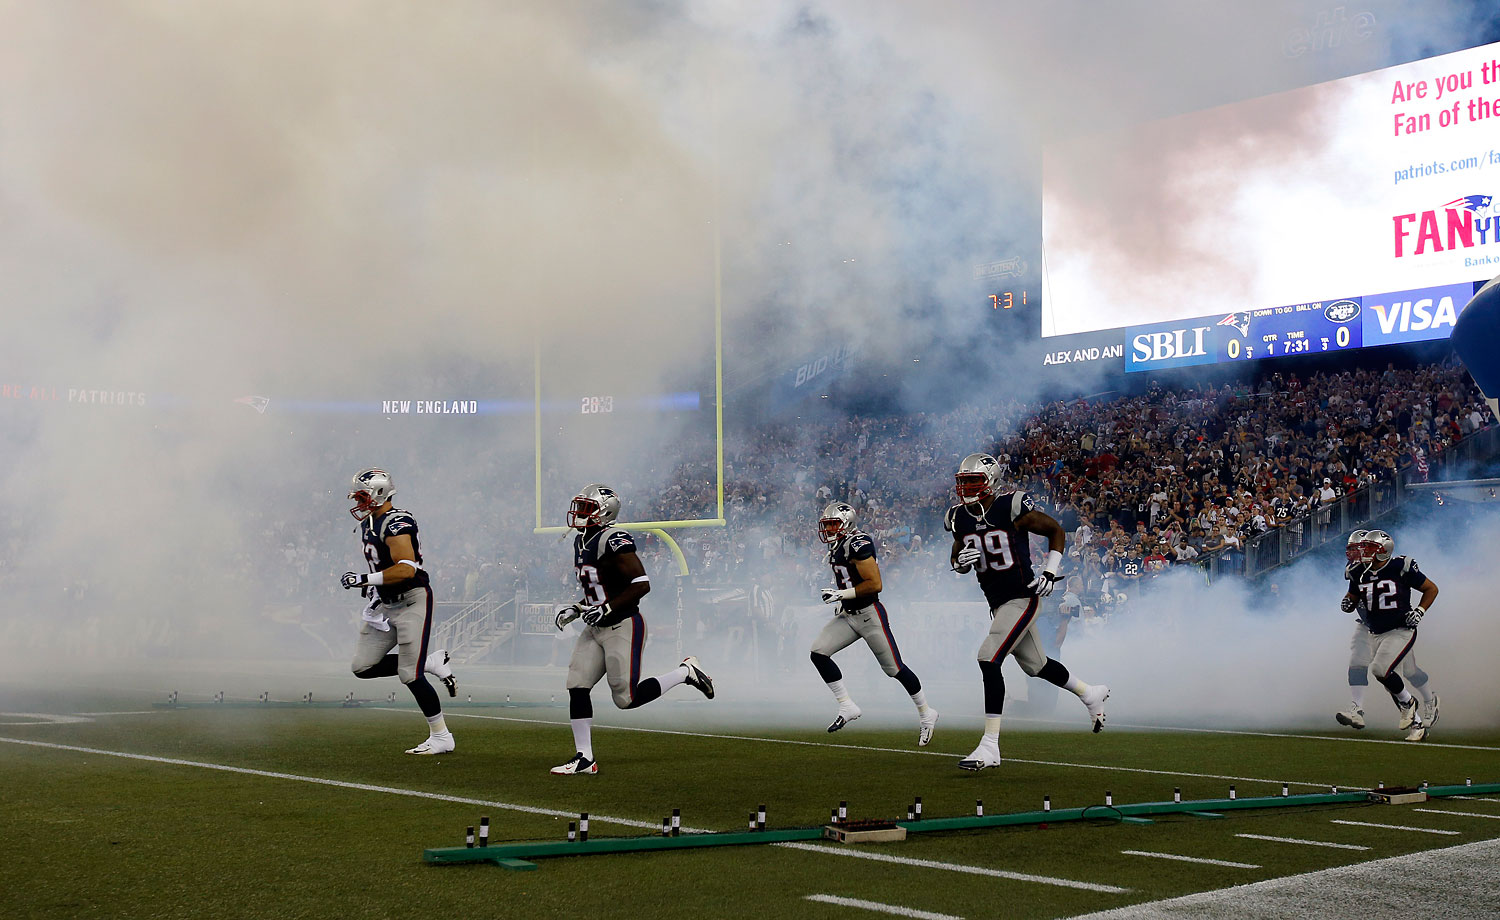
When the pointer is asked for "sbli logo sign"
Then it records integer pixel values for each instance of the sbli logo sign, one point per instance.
(1168, 346)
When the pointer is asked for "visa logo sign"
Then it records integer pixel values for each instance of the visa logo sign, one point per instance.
(1414, 316)
(1153, 347)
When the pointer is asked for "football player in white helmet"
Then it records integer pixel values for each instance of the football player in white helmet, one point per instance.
(990, 528)
(614, 633)
(1385, 633)
(399, 612)
(860, 615)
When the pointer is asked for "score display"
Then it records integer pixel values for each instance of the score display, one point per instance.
(1305, 328)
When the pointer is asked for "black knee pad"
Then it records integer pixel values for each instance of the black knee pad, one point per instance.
(826, 668)
(580, 706)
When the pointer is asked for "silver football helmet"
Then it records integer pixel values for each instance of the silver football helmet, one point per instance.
(595, 505)
(1354, 551)
(1379, 547)
(372, 488)
(836, 523)
(978, 478)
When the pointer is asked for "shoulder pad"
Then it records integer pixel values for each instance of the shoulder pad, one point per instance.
(1021, 503)
(859, 542)
(615, 540)
(950, 519)
(1408, 565)
(398, 522)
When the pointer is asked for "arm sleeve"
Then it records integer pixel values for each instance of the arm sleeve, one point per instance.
(1021, 503)
(1412, 576)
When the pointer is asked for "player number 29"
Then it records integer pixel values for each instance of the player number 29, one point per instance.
(996, 548)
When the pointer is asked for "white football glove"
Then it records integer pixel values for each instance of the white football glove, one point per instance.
(353, 580)
(566, 615)
(1348, 604)
(1414, 615)
(835, 595)
(1043, 584)
(967, 558)
(592, 615)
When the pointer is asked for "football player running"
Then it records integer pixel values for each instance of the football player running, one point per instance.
(1380, 586)
(860, 615)
(989, 528)
(399, 612)
(614, 633)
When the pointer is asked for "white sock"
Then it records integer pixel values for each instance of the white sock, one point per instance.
(583, 737)
(839, 693)
(1404, 696)
(1077, 687)
(1424, 693)
(671, 679)
(436, 725)
(991, 729)
(1357, 694)
(920, 699)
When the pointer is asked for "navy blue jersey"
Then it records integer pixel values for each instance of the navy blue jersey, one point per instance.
(1384, 593)
(373, 532)
(842, 556)
(596, 557)
(1005, 569)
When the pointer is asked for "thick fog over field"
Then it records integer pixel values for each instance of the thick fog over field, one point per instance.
(233, 231)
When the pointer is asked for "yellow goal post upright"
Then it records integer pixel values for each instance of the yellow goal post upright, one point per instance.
(656, 528)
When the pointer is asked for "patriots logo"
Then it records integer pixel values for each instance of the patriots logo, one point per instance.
(1240, 321)
(369, 475)
(258, 403)
(1469, 203)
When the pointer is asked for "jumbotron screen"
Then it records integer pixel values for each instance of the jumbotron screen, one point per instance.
(1356, 212)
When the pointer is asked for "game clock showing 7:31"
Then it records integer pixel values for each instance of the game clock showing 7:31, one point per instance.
(1006, 300)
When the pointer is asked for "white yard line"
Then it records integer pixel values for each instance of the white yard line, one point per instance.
(128, 712)
(42, 718)
(1191, 859)
(1405, 885)
(1230, 731)
(861, 747)
(1462, 814)
(1475, 798)
(1306, 843)
(318, 780)
(877, 906)
(953, 867)
(1396, 827)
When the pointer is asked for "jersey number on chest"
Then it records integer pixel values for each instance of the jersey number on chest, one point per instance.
(1379, 595)
(994, 545)
(593, 589)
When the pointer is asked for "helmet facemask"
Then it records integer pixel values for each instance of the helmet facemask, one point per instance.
(364, 504)
(583, 513)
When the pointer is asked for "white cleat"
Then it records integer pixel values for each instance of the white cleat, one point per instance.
(578, 766)
(1430, 711)
(986, 755)
(435, 744)
(697, 678)
(848, 712)
(926, 726)
(1408, 714)
(437, 666)
(1418, 732)
(1094, 699)
(1354, 718)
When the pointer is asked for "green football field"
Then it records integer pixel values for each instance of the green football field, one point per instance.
(117, 806)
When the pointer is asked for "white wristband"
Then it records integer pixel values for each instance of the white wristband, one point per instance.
(1054, 562)
(375, 578)
(845, 594)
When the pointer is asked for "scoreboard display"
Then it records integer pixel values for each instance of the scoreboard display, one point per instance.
(1298, 329)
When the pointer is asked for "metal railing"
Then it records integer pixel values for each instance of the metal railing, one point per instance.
(1329, 523)
(474, 625)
